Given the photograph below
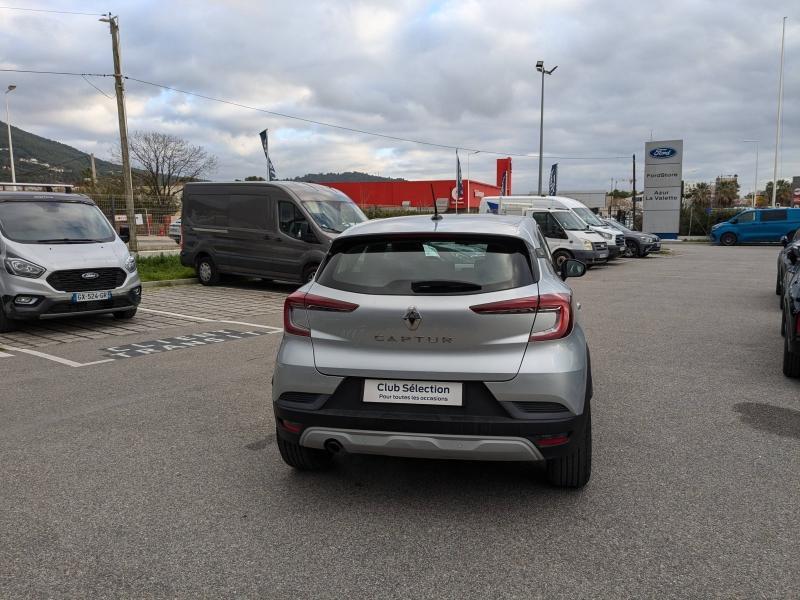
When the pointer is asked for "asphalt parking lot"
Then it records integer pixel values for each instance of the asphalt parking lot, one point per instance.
(155, 474)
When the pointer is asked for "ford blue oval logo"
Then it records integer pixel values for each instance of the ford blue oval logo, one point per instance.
(90, 275)
(663, 152)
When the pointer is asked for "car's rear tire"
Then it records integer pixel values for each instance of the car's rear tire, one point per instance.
(560, 257)
(207, 271)
(125, 314)
(7, 325)
(791, 360)
(727, 239)
(573, 470)
(302, 458)
(309, 271)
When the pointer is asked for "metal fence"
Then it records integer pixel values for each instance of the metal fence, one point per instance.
(152, 218)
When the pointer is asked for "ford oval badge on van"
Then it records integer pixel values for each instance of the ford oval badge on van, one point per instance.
(663, 152)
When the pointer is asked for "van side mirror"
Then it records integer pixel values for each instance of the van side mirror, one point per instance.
(784, 241)
(125, 234)
(572, 268)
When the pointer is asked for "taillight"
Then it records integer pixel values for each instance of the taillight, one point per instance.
(305, 301)
(559, 305)
(508, 307)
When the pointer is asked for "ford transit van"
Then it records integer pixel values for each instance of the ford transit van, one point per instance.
(757, 225)
(274, 230)
(517, 204)
(569, 237)
(59, 256)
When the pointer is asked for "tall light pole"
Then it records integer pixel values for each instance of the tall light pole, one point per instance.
(780, 116)
(755, 176)
(469, 196)
(113, 23)
(11, 88)
(543, 71)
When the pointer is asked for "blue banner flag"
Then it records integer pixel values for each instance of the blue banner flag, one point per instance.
(264, 144)
(459, 183)
(553, 180)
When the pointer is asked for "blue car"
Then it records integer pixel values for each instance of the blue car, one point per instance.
(757, 225)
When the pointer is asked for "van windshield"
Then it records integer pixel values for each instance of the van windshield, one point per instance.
(334, 215)
(54, 223)
(588, 216)
(569, 220)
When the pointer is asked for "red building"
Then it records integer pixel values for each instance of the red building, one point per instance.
(421, 194)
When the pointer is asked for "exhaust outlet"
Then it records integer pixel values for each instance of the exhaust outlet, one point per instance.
(333, 446)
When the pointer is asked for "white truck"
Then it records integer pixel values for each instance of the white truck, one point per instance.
(517, 204)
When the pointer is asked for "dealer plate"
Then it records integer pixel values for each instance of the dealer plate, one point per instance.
(90, 296)
(398, 391)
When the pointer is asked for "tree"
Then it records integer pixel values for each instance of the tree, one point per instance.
(727, 193)
(254, 178)
(783, 196)
(700, 195)
(165, 161)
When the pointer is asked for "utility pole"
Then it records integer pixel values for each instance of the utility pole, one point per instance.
(10, 89)
(123, 130)
(780, 116)
(543, 71)
(94, 170)
(633, 198)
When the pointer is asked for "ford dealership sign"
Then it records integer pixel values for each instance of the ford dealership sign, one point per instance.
(663, 152)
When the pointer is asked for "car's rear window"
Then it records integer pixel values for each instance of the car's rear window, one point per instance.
(428, 265)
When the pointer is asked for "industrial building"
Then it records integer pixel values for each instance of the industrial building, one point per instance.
(421, 194)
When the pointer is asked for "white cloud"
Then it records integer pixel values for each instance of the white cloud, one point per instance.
(453, 72)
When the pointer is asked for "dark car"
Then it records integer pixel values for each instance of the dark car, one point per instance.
(783, 261)
(637, 243)
(790, 325)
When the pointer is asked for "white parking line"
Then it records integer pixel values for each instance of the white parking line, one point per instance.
(58, 359)
(5, 355)
(270, 328)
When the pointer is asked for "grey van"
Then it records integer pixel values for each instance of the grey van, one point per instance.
(276, 230)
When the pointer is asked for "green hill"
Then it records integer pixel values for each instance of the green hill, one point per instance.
(346, 176)
(39, 160)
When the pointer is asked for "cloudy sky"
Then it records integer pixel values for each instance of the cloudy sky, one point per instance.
(458, 73)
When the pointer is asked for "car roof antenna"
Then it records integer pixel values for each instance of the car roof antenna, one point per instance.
(436, 216)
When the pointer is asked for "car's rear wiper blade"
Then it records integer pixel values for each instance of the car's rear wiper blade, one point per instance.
(69, 241)
(443, 286)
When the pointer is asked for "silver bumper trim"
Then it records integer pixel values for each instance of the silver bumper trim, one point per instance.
(424, 445)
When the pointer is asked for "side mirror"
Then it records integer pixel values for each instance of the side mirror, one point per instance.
(572, 268)
(125, 234)
(784, 241)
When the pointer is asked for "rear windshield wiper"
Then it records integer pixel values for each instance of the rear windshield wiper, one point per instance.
(443, 286)
(69, 241)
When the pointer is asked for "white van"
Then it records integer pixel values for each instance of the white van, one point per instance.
(568, 236)
(517, 204)
(59, 256)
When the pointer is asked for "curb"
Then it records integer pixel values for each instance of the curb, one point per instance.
(169, 282)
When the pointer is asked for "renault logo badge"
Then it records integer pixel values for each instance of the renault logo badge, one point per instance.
(412, 318)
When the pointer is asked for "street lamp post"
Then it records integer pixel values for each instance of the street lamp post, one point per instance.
(543, 71)
(11, 88)
(755, 176)
(469, 196)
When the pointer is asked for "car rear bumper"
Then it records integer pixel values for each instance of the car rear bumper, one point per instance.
(429, 445)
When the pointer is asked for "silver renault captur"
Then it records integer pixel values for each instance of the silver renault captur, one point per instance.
(437, 338)
(59, 256)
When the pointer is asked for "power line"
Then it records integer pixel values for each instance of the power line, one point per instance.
(58, 12)
(310, 121)
(95, 87)
(362, 131)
